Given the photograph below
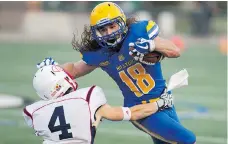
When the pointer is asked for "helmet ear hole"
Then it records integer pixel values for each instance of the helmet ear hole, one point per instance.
(68, 91)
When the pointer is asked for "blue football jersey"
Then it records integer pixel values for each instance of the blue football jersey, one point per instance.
(138, 82)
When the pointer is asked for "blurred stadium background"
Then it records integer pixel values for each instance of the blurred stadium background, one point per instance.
(31, 31)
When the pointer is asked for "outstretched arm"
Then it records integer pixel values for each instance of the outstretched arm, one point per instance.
(133, 113)
(143, 110)
(78, 69)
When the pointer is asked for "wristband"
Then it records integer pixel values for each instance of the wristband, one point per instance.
(126, 113)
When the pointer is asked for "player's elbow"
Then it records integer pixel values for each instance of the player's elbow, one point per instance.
(174, 52)
(167, 48)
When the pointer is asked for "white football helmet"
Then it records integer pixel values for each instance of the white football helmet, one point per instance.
(52, 81)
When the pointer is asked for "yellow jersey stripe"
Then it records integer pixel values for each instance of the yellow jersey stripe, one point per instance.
(153, 100)
(81, 56)
(150, 25)
(150, 101)
(152, 29)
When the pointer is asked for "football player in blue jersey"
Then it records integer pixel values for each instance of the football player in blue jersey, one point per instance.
(105, 44)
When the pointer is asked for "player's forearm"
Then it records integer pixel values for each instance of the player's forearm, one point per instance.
(136, 112)
(111, 113)
(143, 110)
(119, 113)
(77, 69)
(69, 68)
(81, 68)
(166, 47)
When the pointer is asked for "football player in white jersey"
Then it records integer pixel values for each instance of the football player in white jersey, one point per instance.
(66, 115)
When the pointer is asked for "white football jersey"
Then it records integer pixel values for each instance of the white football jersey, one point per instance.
(68, 119)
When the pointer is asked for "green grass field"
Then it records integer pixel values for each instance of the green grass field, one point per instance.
(201, 105)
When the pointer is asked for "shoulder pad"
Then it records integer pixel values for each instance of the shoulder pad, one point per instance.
(33, 107)
(138, 27)
(146, 29)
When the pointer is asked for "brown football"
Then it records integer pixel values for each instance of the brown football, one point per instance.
(153, 57)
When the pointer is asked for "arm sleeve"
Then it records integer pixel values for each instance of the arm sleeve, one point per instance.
(152, 29)
(27, 117)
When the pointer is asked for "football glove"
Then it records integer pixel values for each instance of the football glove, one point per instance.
(143, 45)
(46, 62)
(136, 54)
(165, 101)
(139, 56)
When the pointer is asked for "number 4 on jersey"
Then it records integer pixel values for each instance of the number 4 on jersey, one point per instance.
(63, 127)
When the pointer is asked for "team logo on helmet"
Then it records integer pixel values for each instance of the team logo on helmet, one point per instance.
(58, 87)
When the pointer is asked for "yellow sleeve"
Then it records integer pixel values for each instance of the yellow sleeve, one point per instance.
(152, 29)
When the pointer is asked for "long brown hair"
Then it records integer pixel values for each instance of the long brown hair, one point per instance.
(87, 43)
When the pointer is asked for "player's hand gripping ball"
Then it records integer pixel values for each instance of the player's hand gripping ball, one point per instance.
(149, 58)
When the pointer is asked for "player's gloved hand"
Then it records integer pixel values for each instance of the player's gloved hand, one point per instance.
(135, 54)
(46, 62)
(138, 56)
(143, 45)
(165, 101)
